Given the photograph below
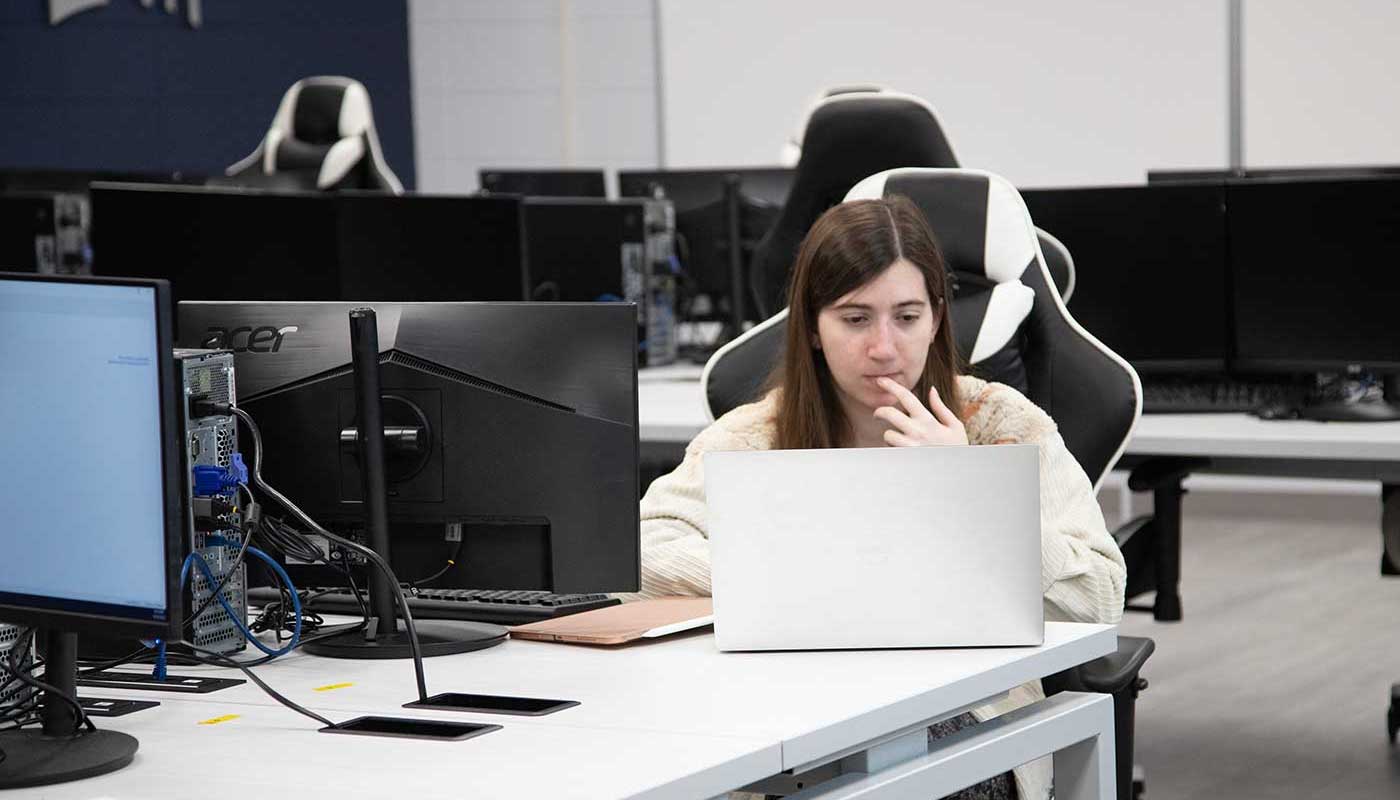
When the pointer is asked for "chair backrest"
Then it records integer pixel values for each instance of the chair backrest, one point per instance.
(992, 249)
(848, 136)
(849, 133)
(323, 137)
(791, 152)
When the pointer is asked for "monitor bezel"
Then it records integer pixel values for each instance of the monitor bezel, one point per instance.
(81, 616)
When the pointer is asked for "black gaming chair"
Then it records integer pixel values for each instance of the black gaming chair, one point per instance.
(1011, 326)
(322, 138)
(855, 132)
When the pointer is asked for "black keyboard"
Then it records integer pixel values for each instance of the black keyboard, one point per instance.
(1215, 396)
(475, 605)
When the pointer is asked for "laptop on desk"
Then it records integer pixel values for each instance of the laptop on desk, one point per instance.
(874, 548)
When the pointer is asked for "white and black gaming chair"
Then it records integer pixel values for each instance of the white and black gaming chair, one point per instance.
(851, 132)
(791, 152)
(322, 138)
(1011, 326)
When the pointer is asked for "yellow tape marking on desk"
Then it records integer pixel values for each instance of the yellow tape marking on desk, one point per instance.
(331, 687)
(217, 720)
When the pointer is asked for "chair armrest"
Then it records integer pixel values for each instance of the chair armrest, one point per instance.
(1107, 675)
(1117, 671)
(1155, 473)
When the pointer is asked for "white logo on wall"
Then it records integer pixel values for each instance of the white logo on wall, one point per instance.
(61, 10)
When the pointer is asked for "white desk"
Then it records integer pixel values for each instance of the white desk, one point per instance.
(672, 410)
(673, 718)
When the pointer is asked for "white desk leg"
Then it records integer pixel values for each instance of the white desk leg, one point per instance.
(1076, 727)
(1087, 770)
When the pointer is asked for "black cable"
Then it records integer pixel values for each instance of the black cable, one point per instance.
(219, 588)
(451, 562)
(343, 542)
(219, 660)
(12, 666)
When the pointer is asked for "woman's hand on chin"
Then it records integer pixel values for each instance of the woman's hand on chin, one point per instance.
(913, 425)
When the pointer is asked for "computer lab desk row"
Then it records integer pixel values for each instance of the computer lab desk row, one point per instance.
(672, 412)
(671, 718)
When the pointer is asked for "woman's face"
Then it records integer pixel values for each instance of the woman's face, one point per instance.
(882, 329)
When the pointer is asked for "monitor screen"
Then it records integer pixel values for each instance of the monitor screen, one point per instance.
(1316, 267)
(1150, 269)
(83, 481)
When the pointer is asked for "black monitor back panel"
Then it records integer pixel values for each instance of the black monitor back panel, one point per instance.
(232, 244)
(426, 247)
(1151, 269)
(576, 246)
(530, 419)
(217, 244)
(544, 182)
(1316, 267)
(690, 188)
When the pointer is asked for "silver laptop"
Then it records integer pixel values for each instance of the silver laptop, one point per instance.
(881, 547)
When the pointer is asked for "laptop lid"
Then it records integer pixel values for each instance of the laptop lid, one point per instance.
(879, 547)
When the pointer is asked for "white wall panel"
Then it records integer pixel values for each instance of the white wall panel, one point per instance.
(1081, 92)
(1319, 82)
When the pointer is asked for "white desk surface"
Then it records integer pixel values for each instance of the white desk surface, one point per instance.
(1244, 435)
(670, 718)
(671, 409)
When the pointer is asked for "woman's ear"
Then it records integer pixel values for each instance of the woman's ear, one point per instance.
(816, 342)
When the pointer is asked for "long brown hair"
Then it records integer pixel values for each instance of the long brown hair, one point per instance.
(846, 248)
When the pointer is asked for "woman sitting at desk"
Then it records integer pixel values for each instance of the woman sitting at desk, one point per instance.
(868, 340)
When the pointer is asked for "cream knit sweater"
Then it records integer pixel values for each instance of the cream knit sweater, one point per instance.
(1082, 572)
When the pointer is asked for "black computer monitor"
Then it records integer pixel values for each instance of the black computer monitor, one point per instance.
(703, 225)
(218, 243)
(583, 250)
(1315, 274)
(1248, 173)
(544, 182)
(90, 483)
(246, 244)
(691, 188)
(1150, 269)
(524, 435)
(429, 247)
(77, 180)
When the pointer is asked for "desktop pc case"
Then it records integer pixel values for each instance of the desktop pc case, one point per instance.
(45, 232)
(12, 692)
(511, 433)
(216, 537)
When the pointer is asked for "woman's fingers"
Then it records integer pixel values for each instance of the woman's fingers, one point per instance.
(906, 398)
(896, 419)
(894, 438)
(941, 412)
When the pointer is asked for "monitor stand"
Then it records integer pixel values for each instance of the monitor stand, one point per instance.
(386, 636)
(56, 753)
(1386, 409)
(1360, 411)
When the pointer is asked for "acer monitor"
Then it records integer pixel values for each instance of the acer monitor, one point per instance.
(512, 432)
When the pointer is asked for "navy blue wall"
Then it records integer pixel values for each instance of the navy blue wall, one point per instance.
(126, 88)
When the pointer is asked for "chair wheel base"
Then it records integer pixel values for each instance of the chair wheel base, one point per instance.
(1139, 790)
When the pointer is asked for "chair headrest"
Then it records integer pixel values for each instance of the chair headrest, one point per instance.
(979, 218)
(852, 135)
(323, 110)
